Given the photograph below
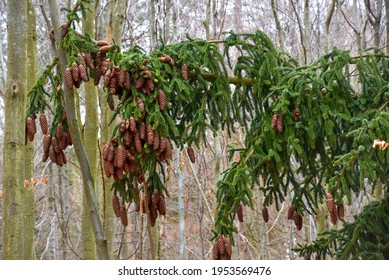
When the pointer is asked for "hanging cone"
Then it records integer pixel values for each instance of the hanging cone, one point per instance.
(290, 212)
(220, 244)
(280, 123)
(184, 72)
(334, 217)
(132, 125)
(55, 145)
(116, 205)
(118, 174)
(161, 100)
(59, 133)
(156, 141)
(265, 214)
(30, 128)
(105, 49)
(69, 141)
(142, 131)
(228, 246)
(274, 121)
(45, 157)
(127, 81)
(155, 198)
(150, 84)
(121, 156)
(75, 72)
(168, 150)
(101, 43)
(52, 154)
(122, 77)
(65, 29)
(107, 78)
(123, 216)
(46, 143)
(299, 224)
(107, 147)
(330, 203)
(111, 155)
(139, 83)
(150, 134)
(111, 104)
(83, 73)
(98, 74)
(239, 212)
(162, 144)
(68, 78)
(89, 61)
(62, 142)
(191, 154)
(126, 167)
(127, 139)
(60, 159)
(43, 123)
(138, 143)
(340, 211)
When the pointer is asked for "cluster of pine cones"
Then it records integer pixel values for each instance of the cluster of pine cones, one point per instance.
(53, 145)
(222, 248)
(296, 217)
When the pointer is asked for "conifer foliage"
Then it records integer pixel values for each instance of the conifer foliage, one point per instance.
(301, 121)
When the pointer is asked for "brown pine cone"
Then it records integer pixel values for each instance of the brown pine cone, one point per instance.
(83, 73)
(162, 144)
(215, 252)
(98, 74)
(65, 29)
(155, 198)
(60, 159)
(132, 125)
(150, 84)
(127, 81)
(107, 147)
(239, 212)
(150, 134)
(122, 127)
(111, 154)
(113, 85)
(64, 116)
(59, 132)
(299, 225)
(330, 203)
(89, 60)
(118, 174)
(295, 217)
(153, 211)
(69, 141)
(274, 121)
(80, 57)
(116, 205)
(228, 245)
(75, 72)
(62, 142)
(111, 104)
(101, 43)
(68, 78)
(141, 104)
(142, 131)
(43, 123)
(55, 145)
(30, 128)
(290, 212)
(45, 157)
(122, 77)
(52, 154)
(109, 168)
(334, 217)
(162, 205)
(156, 141)
(340, 211)
(127, 138)
(161, 100)
(121, 156)
(296, 113)
(220, 244)
(139, 82)
(265, 214)
(104, 49)
(64, 159)
(46, 143)
(123, 216)
(184, 72)
(107, 78)
(126, 167)
(191, 154)
(280, 123)
(138, 143)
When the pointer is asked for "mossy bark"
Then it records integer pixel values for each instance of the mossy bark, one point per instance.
(14, 162)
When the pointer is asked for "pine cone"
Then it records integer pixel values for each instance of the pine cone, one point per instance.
(168, 150)
(98, 74)
(150, 134)
(60, 159)
(162, 144)
(274, 121)
(69, 140)
(139, 83)
(68, 78)
(334, 217)
(113, 85)
(116, 205)
(122, 77)
(111, 155)
(265, 214)
(239, 212)
(330, 203)
(290, 212)
(127, 81)
(127, 138)
(43, 123)
(65, 29)
(62, 142)
(75, 72)
(228, 246)
(161, 100)
(132, 124)
(122, 127)
(83, 73)
(340, 211)
(156, 141)
(45, 157)
(64, 116)
(121, 156)
(104, 49)
(52, 154)
(150, 84)
(138, 143)
(123, 216)
(118, 174)
(215, 251)
(153, 211)
(184, 72)
(298, 220)
(107, 147)
(142, 131)
(191, 154)
(220, 244)
(89, 61)
(155, 198)
(30, 128)
(109, 168)
(46, 143)
(55, 145)
(101, 43)
(296, 113)
(141, 104)
(280, 123)
(111, 104)
(127, 167)
(162, 205)
(59, 133)
(107, 78)
(295, 217)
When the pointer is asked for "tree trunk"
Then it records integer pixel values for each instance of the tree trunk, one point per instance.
(153, 26)
(387, 25)
(88, 181)
(278, 25)
(15, 195)
(29, 203)
(90, 143)
(327, 25)
(181, 209)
